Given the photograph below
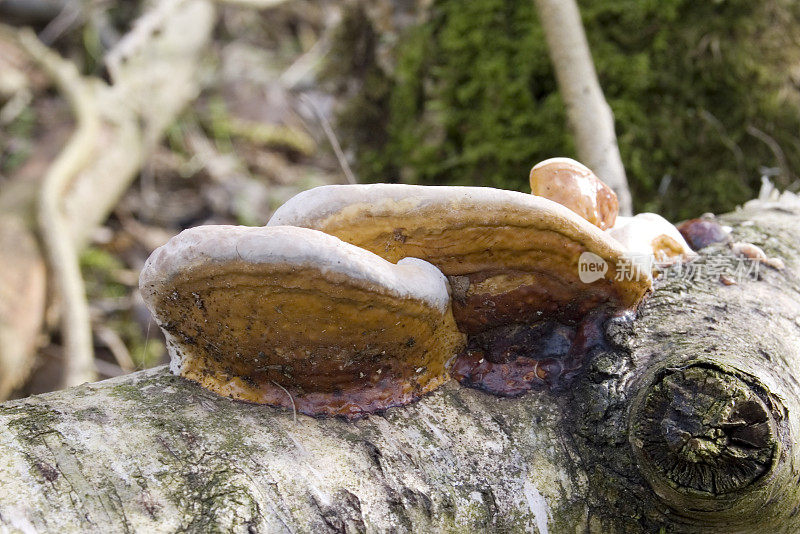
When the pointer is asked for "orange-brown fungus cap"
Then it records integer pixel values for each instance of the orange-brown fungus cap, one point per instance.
(575, 186)
(297, 318)
(510, 257)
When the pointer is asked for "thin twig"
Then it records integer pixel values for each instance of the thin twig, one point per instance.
(774, 147)
(337, 148)
(68, 17)
(117, 347)
(109, 369)
(725, 139)
(146, 341)
(308, 62)
(294, 408)
(76, 327)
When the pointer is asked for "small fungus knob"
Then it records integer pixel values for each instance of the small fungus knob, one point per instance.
(652, 240)
(575, 186)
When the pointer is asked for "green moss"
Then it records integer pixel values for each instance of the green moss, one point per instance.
(696, 88)
(33, 421)
(94, 413)
(100, 270)
(98, 267)
(688, 90)
(127, 391)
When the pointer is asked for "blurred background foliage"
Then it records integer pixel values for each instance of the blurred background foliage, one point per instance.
(705, 96)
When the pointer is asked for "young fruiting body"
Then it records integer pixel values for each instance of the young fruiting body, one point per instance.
(700, 233)
(752, 252)
(651, 240)
(575, 186)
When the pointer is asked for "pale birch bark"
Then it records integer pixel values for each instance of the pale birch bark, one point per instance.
(590, 118)
(150, 452)
(155, 74)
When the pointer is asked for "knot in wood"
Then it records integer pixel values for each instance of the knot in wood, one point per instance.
(701, 429)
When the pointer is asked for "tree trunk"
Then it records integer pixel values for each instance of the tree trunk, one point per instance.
(690, 423)
(590, 118)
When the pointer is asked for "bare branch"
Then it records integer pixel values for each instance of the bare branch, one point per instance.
(774, 147)
(590, 117)
(54, 227)
(116, 127)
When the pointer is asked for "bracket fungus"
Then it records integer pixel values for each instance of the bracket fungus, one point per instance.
(297, 318)
(651, 240)
(514, 262)
(575, 186)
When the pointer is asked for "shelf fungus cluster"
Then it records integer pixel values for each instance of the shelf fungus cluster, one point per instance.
(357, 298)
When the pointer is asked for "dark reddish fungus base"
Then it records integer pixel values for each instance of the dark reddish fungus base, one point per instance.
(350, 404)
(511, 360)
(387, 387)
(699, 233)
(546, 295)
(372, 383)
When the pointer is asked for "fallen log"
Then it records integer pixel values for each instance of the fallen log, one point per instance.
(688, 422)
